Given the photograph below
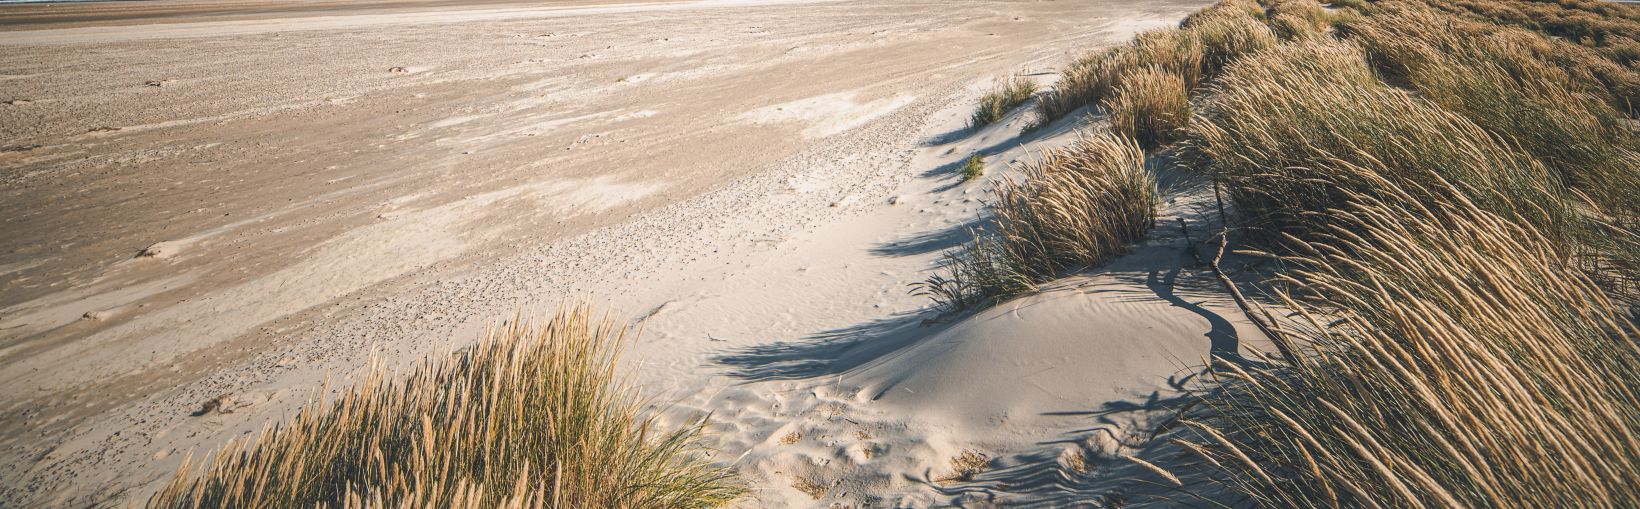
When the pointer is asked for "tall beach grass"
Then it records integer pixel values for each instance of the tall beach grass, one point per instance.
(1449, 358)
(528, 417)
(1447, 192)
(1195, 52)
(1078, 206)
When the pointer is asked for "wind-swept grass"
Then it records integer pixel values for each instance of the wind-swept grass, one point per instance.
(1296, 19)
(1446, 355)
(1608, 27)
(1195, 52)
(1285, 119)
(1484, 73)
(1228, 31)
(1593, 42)
(1427, 186)
(1086, 81)
(1150, 106)
(1452, 207)
(529, 417)
(1079, 206)
(1008, 94)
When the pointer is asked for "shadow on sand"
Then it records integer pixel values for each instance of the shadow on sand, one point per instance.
(1166, 266)
(831, 352)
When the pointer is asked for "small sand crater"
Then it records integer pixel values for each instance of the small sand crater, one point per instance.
(161, 250)
(103, 314)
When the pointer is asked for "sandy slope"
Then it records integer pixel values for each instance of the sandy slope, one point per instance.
(721, 170)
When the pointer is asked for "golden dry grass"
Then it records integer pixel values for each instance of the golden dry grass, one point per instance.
(1230, 30)
(1609, 27)
(1283, 119)
(1452, 202)
(1205, 42)
(1079, 206)
(1432, 188)
(1489, 75)
(964, 467)
(813, 489)
(1588, 69)
(1449, 357)
(1296, 19)
(1150, 106)
(1086, 81)
(529, 417)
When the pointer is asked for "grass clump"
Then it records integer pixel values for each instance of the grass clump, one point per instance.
(529, 417)
(1084, 82)
(1175, 50)
(1296, 19)
(972, 168)
(1080, 206)
(1426, 185)
(1150, 106)
(1586, 69)
(1483, 73)
(1444, 356)
(1195, 52)
(1229, 31)
(1286, 120)
(1007, 95)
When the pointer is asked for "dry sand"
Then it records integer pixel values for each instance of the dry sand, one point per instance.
(251, 199)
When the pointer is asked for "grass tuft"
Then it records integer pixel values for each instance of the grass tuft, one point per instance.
(529, 417)
(1297, 19)
(1150, 106)
(1008, 94)
(1228, 32)
(972, 168)
(1080, 206)
(1084, 82)
(1285, 120)
(1196, 52)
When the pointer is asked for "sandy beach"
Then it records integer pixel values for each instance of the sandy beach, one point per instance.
(256, 201)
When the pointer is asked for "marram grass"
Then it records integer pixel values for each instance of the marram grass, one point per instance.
(1427, 188)
(1283, 121)
(1449, 357)
(1008, 94)
(529, 417)
(1196, 52)
(1151, 106)
(1079, 206)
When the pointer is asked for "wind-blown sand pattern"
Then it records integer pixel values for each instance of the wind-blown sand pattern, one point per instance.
(250, 203)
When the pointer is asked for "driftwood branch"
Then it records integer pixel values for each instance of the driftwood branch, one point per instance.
(1267, 327)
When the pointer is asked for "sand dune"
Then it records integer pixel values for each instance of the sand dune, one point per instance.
(757, 184)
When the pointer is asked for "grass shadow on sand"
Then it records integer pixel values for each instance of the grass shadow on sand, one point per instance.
(1086, 465)
(830, 352)
(928, 242)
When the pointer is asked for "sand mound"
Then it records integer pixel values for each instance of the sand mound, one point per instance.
(1023, 365)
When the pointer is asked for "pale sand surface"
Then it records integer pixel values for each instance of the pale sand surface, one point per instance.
(721, 171)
